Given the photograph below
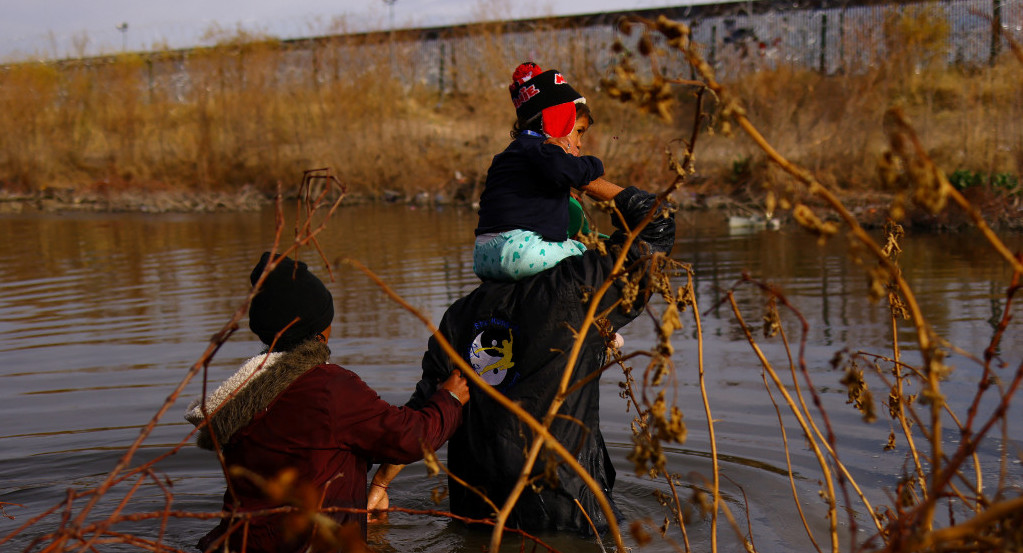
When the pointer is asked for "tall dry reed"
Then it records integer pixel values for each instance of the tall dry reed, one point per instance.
(947, 501)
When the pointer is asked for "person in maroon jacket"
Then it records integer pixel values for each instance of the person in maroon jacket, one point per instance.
(289, 409)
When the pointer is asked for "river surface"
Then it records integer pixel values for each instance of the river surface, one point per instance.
(101, 316)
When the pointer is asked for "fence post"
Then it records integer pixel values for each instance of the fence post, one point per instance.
(440, 76)
(713, 45)
(454, 69)
(824, 44)
(149, 74)
(841, 41)
(314, 55)
(996, 28)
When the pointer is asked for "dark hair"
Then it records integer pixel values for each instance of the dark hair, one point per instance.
(584, 109)
(536, 123)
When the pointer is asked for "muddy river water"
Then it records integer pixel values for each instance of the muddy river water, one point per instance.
(102, 315)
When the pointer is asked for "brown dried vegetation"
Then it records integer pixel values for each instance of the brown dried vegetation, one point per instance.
(254, 112)
(941, 503)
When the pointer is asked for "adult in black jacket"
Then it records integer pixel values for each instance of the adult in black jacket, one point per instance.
(517, 336)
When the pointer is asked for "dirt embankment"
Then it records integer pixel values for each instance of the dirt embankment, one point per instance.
(871, 210)
(141, 201)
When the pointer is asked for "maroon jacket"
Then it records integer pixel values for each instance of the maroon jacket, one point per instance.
(328, 425)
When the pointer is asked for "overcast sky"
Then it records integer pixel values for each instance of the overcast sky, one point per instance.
(57, 28)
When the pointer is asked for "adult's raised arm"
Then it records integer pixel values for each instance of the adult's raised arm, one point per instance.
(457, 387)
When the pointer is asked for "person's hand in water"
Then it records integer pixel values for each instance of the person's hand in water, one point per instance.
(377, 499)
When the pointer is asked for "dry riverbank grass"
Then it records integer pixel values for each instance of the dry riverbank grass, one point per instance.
(256, 112)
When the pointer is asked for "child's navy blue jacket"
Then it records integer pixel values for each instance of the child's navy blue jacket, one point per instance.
(527, 188)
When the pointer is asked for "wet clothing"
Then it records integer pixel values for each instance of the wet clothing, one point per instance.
(294, 410)
(527, 188)
(517, 336)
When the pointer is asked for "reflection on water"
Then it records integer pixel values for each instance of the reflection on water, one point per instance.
(101, 316)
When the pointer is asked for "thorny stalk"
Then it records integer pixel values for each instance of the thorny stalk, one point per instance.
(774, 325)
(897, 311)
(732, 109)
(700, 498)
(690, 297)
(906, 165)
(679, 511)
(781, 427)
(643, 412)
(654, 96)
(829, 496)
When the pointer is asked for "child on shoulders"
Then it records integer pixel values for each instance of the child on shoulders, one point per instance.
(524, 207)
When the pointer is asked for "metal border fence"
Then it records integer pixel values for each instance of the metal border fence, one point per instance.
(738, 37)
(829, 36)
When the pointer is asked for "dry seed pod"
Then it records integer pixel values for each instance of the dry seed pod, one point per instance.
(893, 403)
(673, 428)
(659, 364)
(670, 320)
(809, 221)
(893, 233)
(664, 527)
(639, 533)
(889, 170)
(646, 45)
(640, 455)
(671, 29)
(859, 394)
(431, 462)
(438, 494)
(897, 211)
(772, 320)
(931, 397)
(878, 279)
(630, 292)
(897, 306)
(931, 191)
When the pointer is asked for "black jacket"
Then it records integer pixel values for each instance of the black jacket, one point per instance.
(528, 185)
(517, 336)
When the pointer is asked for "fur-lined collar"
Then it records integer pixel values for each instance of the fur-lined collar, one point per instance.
(251, 389)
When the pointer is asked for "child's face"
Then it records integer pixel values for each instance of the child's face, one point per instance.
(575, 138)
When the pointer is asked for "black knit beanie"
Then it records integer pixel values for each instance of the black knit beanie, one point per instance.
(534, 90)
(288, 292)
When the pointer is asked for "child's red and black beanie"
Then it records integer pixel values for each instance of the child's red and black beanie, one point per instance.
(534, 90)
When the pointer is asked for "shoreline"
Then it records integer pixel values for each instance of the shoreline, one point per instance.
(870, 210)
